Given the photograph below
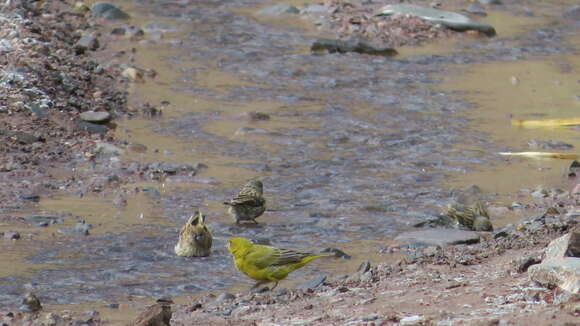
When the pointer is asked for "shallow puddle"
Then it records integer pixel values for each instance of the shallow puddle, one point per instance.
(531, 89)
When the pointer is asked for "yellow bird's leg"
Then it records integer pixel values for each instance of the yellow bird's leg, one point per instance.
(275, 285)
(256, 222)
(258, 284)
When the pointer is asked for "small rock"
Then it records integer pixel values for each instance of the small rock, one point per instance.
(52, 319)
(133, 74)
(91, 128)
(279, 9)
(30, 303)
(137, 148)
(475, 9)
(356, 45)
(258, 116)
(522, 264)
(155, 26)
(95, 117)
(312, 283)
(11, 235)
(86, 42)
(549, 144)
(108, 11)
(39, 111)
(364, 267)
(31, 197)
(120, 201)
(83, 227)
(225, 297)
(151, 191)
(514, 80)
(22, 137)
(157, 315)
(540, 193)
(413, 321)
(79, 6)
(108, 149)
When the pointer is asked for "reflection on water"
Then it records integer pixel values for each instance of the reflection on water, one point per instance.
(357, 149)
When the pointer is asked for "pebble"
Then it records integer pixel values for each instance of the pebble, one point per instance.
(132, 74)
(83, 227)
(226, 296)
(95, 116)
(312, 283)
(108, 11)
(90, 127)
(86, 42)
(413, 321)
(137, 148)
(11, 235)
(279, 9)
(108, 149)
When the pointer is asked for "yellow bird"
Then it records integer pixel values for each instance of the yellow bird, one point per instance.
(265, 263)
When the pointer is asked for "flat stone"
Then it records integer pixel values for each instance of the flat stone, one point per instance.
(96, 117)
(439, 237)
(226, 296)
(312, 283)
(39, 111)
(475, 9)
(449, 19)
(351, 45)
(564, 246)
(90, 127)
(279, 9)
(563, 273)
(549, 144)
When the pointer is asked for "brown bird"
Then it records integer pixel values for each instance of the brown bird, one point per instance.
(473, 217)
(195, 238)
(248, 204)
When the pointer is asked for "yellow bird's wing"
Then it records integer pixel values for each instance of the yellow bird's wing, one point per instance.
(266, 256)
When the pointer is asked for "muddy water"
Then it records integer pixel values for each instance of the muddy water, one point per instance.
(358, 148)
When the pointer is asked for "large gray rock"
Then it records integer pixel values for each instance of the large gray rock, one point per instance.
(449, 19)
(439, 237)
(565, 246)
(563, 273)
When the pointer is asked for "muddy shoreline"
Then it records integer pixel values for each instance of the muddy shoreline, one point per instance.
(50, 148)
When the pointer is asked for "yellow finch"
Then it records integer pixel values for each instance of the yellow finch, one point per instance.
(248, 204)
(194, 238)
(265, 263)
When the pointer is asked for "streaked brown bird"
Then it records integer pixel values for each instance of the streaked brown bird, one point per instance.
(194, 238)
(473, 217)
(249, 203)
